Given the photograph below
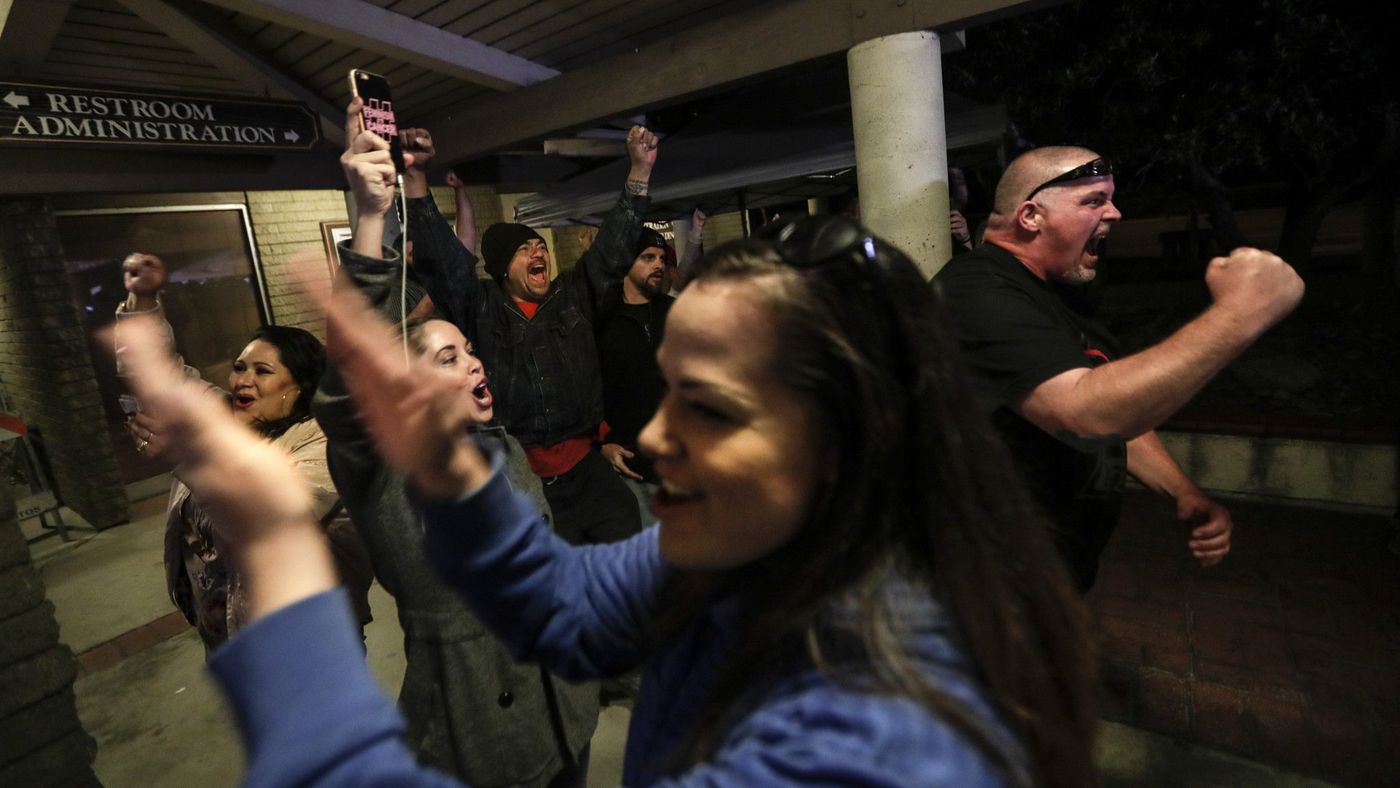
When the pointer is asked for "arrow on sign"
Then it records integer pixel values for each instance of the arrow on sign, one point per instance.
(16, 101)
(290, 136)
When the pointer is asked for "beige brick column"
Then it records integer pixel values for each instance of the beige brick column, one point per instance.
(41, 740)
(46, 364)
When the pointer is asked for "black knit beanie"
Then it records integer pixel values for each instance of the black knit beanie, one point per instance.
(498, 245)
(648, 239)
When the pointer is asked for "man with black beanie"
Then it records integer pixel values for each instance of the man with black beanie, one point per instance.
(629, 332)
(536, 337)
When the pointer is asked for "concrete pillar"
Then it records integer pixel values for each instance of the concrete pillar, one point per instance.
(901, 146)
(680, 228)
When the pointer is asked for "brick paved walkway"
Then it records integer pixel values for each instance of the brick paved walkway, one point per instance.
(1288, 653)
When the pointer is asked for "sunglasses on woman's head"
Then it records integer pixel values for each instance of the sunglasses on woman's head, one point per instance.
(814, 241)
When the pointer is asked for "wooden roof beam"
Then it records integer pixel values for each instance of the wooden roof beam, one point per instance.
(709, 57)
(367, 26)
(27, 31)
(215, 39)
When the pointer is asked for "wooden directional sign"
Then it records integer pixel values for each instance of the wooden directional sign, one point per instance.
(54, 114)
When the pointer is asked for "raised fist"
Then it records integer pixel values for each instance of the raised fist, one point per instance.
(419, 142)
(697, 223)
(1257, 284)
(641, 147)
(143, 275)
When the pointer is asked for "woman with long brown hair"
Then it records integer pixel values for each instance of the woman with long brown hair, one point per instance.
(847, 585)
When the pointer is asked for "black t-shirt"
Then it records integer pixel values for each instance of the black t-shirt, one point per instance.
(628, 336)
(1017, 331)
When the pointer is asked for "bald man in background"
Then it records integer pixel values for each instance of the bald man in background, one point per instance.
(1077, 415)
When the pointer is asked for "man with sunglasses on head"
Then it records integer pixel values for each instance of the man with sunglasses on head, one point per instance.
(1078, 415)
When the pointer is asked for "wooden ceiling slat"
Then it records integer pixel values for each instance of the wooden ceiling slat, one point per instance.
(68, 43)
(115, 18)
(579, 20)
(272, 37)
(297, 48)
(461, 96)
(409, 85)
(411, 8)
(407, 78)
(486, 14)
(114, 6)
(444, 15)
(131, 37)
(250, 26)
(407, 81)
(633, 31)
(134, 64)
(404, 79)
(611, 26)
(427, 95)
(410, 107)
(551, 12)
(605, 29)
(88, 75)
(322, 58)
(258, 30)
(331, 80)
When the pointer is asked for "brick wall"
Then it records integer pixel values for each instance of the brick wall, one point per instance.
(570, 244)
(1284, 653)
(722, 228)
(287, 227)
(46, 366)
(485, 204)
(41, 739)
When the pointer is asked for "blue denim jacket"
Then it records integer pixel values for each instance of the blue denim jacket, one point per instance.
(311, 714)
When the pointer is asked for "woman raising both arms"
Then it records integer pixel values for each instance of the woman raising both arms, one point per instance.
(847, 584)
(271, 383)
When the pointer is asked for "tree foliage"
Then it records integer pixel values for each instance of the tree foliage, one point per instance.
(1205, 92)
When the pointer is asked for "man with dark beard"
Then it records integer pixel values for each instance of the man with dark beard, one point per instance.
(629, 331)
(1077, 415)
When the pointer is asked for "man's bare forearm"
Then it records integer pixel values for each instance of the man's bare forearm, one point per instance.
(368, 238)
(1252, 290)
(1135, 394)
(466, 217)
(1151, 464)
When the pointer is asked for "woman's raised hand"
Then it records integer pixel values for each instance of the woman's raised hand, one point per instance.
(261, 507)
(367, 164)
(418, 421)
(247, 484)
